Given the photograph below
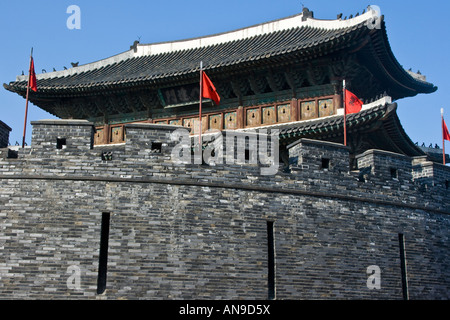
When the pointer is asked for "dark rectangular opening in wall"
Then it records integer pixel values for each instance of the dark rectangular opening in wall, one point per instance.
(107, 156)
(247, 155)
(271, 261)
(60, 143)
(447, 184)
(156, 147)
(12, 154)
(103, 258)
(325, 163)
(394, 173)
(401, 241)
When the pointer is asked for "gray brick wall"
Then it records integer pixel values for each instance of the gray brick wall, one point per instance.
(188, 231)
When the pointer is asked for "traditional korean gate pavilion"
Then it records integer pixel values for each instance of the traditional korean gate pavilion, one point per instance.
(286, 74)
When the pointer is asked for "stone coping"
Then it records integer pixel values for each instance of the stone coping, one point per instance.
(317, 142)
(68, 122)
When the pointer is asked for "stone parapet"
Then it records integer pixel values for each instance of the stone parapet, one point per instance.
(153, 151)
(72, 135)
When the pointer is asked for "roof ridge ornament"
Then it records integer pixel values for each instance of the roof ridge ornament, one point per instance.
(375, 21)
(306, 13)
(134, 46)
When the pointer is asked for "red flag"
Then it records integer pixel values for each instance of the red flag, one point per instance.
(32, 84)
(209, 91)
(446, 134)
(352, 103)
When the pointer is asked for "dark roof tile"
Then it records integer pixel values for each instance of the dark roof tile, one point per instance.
(186, 61)
(302, 39)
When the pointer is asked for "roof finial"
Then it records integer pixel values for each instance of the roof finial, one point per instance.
(135, 45)
(306, 13)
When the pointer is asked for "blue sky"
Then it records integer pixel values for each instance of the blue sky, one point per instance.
(417, 33)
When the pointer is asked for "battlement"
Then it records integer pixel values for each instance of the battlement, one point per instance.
(73, 135)
(319, 155)
(386, 165)
(430, 174)
(65, 148)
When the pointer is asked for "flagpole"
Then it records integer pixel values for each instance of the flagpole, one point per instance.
(26, 105)
(345, 113)
(443, 136)
(200, 107)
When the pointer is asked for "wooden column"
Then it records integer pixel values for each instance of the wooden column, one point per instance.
(107, 135)
(240, 118)
(337, 99)
(294, 110)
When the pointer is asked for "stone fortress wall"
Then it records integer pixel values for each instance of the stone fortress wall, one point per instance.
(127, 222)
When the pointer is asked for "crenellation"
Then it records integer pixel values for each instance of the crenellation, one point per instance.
(386, 166)
(70, 135)
(320, 155)
(430, 174)
(314, 165)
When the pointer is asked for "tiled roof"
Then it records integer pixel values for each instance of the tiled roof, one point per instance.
(297, 36)
(176, 64)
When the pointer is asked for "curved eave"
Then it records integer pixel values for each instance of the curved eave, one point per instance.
(377, 55)
(382, 121)
(333, 125)
(396, 133)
